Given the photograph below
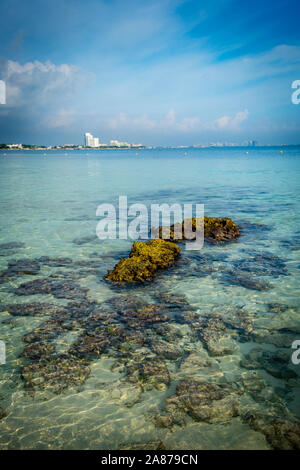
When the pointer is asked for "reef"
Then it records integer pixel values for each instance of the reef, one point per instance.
(11, 245)
(149, 374)
(33, 309)
(145, 259)
(282, 434)
(238, 278)
(84, 240)
(275, 363)
(19, 268)
(201, 400)
(55, 374)
(214, 334)
(216, 229)
(66, 289)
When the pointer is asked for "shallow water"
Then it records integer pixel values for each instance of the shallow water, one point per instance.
(249, 288)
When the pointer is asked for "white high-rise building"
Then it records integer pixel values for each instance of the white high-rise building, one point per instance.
(90, 141)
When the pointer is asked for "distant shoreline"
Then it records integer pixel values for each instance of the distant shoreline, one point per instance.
(181, 147)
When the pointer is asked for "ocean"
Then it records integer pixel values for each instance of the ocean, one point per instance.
(200, 358)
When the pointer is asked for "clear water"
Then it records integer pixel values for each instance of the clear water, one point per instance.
(49, 201)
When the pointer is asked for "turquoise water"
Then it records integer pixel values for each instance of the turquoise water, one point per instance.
(244, 295)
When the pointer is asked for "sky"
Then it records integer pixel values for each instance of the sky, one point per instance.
(155, 72)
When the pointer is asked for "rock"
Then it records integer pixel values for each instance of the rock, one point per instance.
(151, 445)
(238, 278)
(280, 340)
(200, 365)
(58, 288)
(19, 268)
(282, 434)
(55, 374)
(84, 240)
(23, 266)
(48, 330)
(203, 401)
(173, 300)
(144, 315)
(215, 229)
(54, 262)
(276, 307)
(275, 363)
(165, 350)
(149, 374)
(241, 322)
(89, 347)
(262, 263)
(145, 259)
(38, 350)
(35, 308)
(214, 334)
(11, 245)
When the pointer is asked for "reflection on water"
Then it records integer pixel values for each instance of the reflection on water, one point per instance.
(198, 359)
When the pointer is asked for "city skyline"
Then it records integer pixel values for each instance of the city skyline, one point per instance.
(157, 72)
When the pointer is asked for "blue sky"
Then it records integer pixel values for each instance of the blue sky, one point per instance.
(161, 72)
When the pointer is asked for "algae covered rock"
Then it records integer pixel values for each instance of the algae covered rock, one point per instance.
(216, 229)
(145, 259)
(281, 433)
(55, 374)
(203, 401)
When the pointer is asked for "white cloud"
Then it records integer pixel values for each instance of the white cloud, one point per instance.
(170, 123)
(36, 83)
(226, 122)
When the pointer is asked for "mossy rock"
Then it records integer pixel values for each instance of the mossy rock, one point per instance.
(216, 229)
(145, 259)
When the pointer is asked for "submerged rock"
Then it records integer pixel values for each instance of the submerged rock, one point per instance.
(282, 434)
(144, 315)
(38, 350)
(60, 289)
(276, 307)
(84, 240)
(23, 266)
(238, 278)
(19, 268)
(145, 259)
(55, 374)
(151, 445)
(203, 401)
(54, 262)
(149, 374)
(48, 330)
(275, 363)
(262, 263)
(216, 229)
(214, 334)
(33, 309)
(90, 346)
(11, 245)
(163, 349)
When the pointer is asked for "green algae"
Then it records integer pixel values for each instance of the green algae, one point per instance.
(216, 229)
(145, 259)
